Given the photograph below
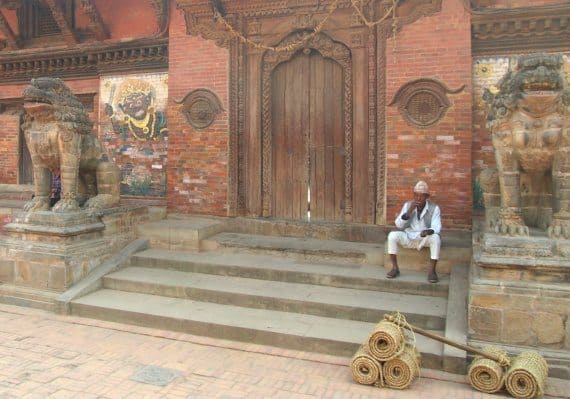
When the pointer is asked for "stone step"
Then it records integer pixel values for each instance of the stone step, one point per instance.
(357, 276)
(305, 248)
(323, 230)
(342, 303)
(419, 261)
(181, 233)
(260, 326)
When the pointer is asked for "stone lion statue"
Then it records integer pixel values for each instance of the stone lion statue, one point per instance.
(58, 134)
(529, 118)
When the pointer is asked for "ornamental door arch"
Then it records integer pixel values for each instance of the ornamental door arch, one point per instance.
(307, 131)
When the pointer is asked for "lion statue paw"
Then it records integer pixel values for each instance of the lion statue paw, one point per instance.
(510, 227)
(66, 205)
(100, 201)
(38, 203)
(559, 228)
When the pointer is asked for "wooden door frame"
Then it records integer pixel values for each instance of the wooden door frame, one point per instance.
(247, 17)
(328, 48)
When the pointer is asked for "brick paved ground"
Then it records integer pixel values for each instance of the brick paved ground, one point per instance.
(43, 355)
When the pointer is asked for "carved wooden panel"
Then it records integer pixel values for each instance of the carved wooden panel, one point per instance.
(200, 108)
(423, 102)
(515, 31)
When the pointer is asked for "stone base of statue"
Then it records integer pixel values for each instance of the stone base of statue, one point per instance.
(43, 254)
(520, 296)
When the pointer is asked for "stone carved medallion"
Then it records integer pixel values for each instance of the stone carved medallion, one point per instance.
(200, 107)
(423, 102)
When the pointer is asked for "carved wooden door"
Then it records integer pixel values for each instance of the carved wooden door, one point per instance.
(308, 138)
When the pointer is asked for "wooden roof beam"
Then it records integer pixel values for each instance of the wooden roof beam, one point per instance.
(69, 34)
(101, 32)
(161, 11)
(11, 39)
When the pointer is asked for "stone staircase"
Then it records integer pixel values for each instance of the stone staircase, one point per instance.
(216, 278)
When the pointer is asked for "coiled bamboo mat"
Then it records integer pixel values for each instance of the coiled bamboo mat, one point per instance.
(526, 378)
(487, 375)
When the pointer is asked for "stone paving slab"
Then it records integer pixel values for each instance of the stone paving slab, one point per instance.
(43, 355)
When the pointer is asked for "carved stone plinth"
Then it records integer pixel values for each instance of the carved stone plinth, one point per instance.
(520, 296)
(51, 251)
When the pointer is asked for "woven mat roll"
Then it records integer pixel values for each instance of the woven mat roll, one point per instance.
(486, 375)
(526, 378)
(401, 371)
(365, 369)
(386, 341)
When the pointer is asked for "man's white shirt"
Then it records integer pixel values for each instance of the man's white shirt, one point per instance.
(414, 225)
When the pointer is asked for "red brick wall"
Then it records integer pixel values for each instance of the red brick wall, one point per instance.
(437, 47)
(10, 122)
(197, 176)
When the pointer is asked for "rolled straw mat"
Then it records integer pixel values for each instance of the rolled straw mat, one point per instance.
(486, 375)
(365, 369)
(402, 370)
(526, 378)
(386, 341)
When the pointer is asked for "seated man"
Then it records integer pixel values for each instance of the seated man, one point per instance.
(421, 221)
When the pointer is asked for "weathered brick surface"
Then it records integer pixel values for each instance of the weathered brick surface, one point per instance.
(197, 173)
(436, 47)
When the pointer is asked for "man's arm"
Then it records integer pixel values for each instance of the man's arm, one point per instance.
(402, 219)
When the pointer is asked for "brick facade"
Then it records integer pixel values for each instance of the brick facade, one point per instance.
(436, 47)
(197, 159)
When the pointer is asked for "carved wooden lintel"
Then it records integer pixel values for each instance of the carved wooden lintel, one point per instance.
(207, 28)
(11, 39)
(58, 13)
(139, 55)
(512, 31)
(101, 32)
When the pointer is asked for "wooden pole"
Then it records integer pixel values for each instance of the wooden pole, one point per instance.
(428, 334)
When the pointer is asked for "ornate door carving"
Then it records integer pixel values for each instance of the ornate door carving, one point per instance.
(307, 137)
(307, 131)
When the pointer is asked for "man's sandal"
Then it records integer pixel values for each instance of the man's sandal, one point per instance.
(432, 277)
(393, 273)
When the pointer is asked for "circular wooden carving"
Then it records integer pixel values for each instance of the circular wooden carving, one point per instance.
(424, 108)
(200, 107)
(423, 102)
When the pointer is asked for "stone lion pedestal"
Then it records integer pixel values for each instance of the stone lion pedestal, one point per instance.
(44, 253)
(520, 296)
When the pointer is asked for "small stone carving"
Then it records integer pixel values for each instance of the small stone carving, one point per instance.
(58, 134)
(423, 102)
(200, 107)
(529, 117)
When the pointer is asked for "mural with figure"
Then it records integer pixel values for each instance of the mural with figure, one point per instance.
(134, 128)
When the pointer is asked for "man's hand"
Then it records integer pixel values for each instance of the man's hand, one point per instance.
(427, 232)
(410, 210)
